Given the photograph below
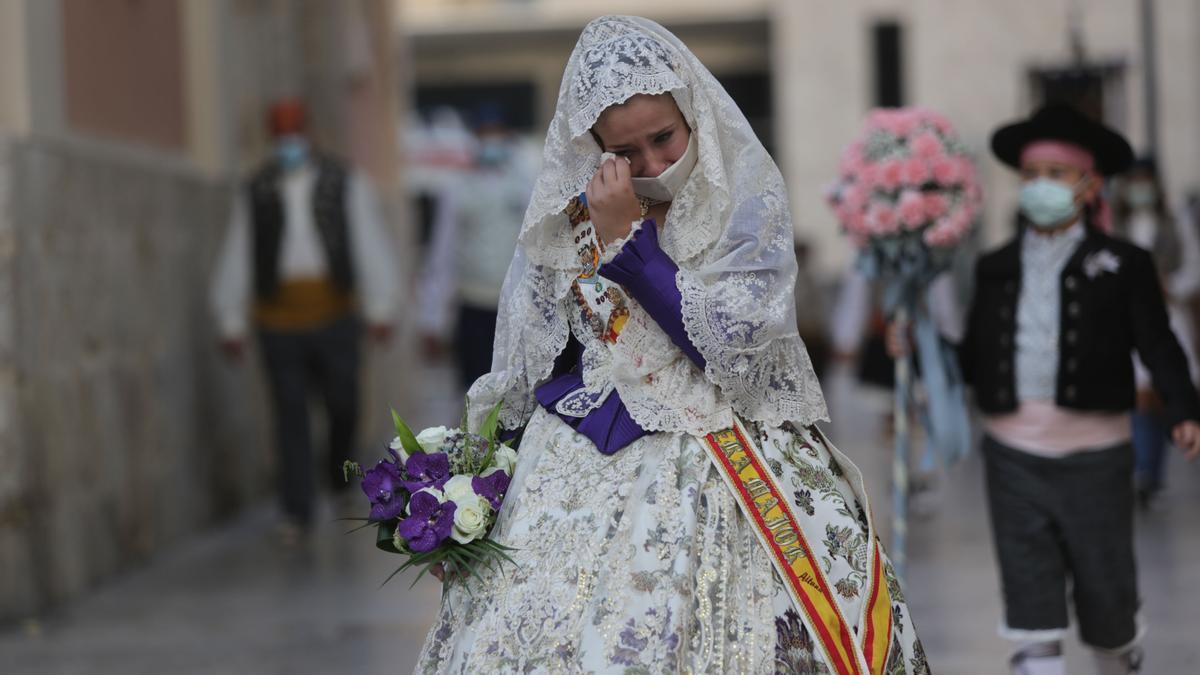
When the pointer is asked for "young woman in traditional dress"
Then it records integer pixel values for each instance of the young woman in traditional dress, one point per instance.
(674, 508)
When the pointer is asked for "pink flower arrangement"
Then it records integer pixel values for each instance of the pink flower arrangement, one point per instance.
(907, 178)
(912, 209)
(926, 145)
(916, 171)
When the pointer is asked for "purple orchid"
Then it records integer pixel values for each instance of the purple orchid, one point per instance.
(426, 470)
(429, 524)
(491, 487)
(383, 486)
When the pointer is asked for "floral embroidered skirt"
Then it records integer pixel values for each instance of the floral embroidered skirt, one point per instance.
(642, 562)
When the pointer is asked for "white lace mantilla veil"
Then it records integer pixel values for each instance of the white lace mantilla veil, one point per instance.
(729, 231)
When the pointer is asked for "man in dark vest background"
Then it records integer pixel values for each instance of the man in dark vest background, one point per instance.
(306, 258)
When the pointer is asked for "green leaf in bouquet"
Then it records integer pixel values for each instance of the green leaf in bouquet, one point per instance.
(490, 426)
(384, 540)
(492, 422)
(408, 440)
(366, 522)
(500, 551)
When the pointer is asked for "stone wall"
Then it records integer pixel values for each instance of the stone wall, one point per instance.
(121, 430)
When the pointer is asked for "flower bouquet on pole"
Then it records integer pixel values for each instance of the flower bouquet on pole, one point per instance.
(435, 497)
(907, 194)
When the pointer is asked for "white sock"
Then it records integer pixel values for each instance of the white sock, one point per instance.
(1119, 663)
(1038, 658)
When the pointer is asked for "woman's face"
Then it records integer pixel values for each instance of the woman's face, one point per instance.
(648, 130)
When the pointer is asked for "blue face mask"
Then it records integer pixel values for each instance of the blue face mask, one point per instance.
(291, 151)
(492, 153)
(1047, 202)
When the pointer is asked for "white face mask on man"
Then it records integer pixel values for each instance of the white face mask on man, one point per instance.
(1046, 202)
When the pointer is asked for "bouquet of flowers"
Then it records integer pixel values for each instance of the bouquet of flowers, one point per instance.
(907, 193)
(435, 497)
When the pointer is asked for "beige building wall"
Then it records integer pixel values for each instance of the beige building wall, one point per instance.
(14, 86)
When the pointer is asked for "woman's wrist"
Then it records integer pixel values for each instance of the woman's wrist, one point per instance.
(617, 228)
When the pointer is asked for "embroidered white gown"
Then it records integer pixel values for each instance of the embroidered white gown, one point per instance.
(641, 561)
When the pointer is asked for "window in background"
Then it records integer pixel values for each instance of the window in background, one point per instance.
(751, 91)
(887, 47)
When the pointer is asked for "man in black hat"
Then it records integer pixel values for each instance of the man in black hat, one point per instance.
(1056, 313)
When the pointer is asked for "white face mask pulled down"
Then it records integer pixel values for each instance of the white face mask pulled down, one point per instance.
(664, 186)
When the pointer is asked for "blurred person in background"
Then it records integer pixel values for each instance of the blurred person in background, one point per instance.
(1056, 313)
(474, 234)
(858, 332)
(1142, 214)
(438, 148)
(305, 259)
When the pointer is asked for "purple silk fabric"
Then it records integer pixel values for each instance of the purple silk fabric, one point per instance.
(648, 275)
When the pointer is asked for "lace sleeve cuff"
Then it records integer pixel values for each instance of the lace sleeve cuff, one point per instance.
(613, 249)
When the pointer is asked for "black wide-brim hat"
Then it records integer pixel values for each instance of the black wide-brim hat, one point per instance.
(1063, 123)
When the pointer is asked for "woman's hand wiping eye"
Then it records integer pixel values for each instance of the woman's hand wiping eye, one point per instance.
(611, 201)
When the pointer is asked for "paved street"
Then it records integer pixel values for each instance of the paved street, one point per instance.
(233, 602)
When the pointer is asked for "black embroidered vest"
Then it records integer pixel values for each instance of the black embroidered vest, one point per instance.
(329, 214)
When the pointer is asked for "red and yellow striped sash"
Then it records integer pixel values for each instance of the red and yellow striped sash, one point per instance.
(778, 529)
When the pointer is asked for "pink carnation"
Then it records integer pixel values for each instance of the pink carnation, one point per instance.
(941, 234)
(868, 174)
(936, 205)
(899, 122)
(882, 119)
(926, 145)
(854, 197)
(891, 174)
(881, 219)
(939, 121)
(933, 236)
(911, 208)
(949, 230)
(907, 121)
(916, 172)
(852, 160)
(961, 221)
(947, 170)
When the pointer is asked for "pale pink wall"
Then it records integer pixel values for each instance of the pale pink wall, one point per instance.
(123, 70)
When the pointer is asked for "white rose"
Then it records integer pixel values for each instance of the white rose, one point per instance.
(470, 519)
(399, 448)
(505, 459)
(471, 513)
(431, 439)
(458, 489)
